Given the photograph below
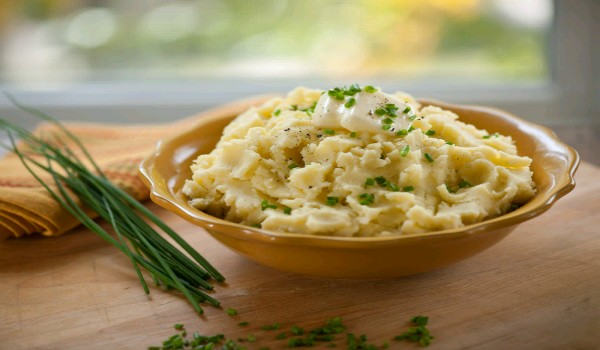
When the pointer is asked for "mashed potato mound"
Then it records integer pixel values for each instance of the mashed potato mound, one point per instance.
(356, 162)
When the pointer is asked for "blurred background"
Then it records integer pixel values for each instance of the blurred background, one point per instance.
(159, 60)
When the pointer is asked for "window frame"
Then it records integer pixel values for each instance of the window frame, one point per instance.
(571, 96)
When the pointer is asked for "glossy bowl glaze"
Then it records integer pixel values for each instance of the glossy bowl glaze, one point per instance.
(554, 164)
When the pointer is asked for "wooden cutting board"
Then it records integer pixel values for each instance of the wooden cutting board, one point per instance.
(537, 289)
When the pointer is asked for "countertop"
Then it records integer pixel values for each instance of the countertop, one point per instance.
(536, 289)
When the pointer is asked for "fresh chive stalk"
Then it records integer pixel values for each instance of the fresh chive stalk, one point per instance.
(135, 237)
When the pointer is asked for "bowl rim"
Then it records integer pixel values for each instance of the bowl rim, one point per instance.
(164, 198)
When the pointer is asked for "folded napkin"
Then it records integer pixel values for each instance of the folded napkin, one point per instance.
(27, 208)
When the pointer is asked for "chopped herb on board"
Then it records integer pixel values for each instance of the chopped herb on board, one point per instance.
(281, 335)
(271, 327)
(297, 330)
(418, 333)
(231, 311)
(327, 335)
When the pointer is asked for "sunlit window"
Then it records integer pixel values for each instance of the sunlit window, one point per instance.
(54, 42)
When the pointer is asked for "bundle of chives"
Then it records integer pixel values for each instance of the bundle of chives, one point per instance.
(135, 237)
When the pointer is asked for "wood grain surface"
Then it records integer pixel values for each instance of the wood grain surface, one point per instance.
(537, 289)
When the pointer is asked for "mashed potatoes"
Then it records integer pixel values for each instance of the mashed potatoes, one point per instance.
(357, 162)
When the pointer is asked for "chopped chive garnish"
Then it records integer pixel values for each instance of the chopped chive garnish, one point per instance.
(450, 189)
(464, 184)
(329, 132)
(381, 181)
(353, 134)
(294, 107)
(231, 311)
(402, 132)
(297, 330)
(386, 127)
(178, 326)
(341, 93)
(412, 117)
(428, 157)
(243, 324)
(406, 110)
(411, 128)
(369, 181)
(337, 93)
(281, 335)
(420, 320)
(351, 102)
(393, 187)
(287, 210)
(257, 225)
(264, 205)
(332, 200)
(418, 333)
(366, 198)
(488, 136)
(251, 338)
(271, 327)
(277, 112)
(370, 89)
(380, 111)
(405, 151)
(430, 132)
(449, 143)
(292, 166)
(352, 90)
(408, 188)
(310, 110)
(391, 109)
(387, 121)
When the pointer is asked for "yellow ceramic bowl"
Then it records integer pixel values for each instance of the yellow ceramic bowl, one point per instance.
(554, 164)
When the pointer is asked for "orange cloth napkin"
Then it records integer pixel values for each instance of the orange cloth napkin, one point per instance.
(27, 208)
